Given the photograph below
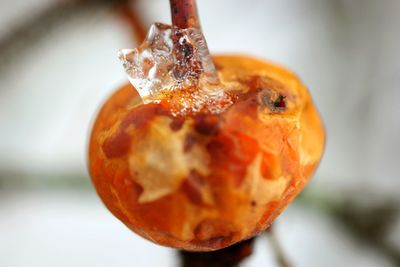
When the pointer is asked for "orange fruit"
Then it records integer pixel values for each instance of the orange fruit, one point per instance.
(203, 181)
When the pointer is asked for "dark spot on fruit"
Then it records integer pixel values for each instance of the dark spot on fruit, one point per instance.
(275, 102)
(253, 203)
(143, 115)
(117, 145)
(189, 141)
(192, 186)
(214, 229)
(280, 102)
(176, 124)
(206, 124)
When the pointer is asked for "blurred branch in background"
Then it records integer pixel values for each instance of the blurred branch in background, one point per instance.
(15, 181)
(33, 29)
(133, 19)
(280, 255)
(371, 223)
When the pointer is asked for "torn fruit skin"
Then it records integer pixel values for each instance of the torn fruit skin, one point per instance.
(202, 181)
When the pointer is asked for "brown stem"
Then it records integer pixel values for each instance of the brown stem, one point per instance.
(231, 256)
(184, 14)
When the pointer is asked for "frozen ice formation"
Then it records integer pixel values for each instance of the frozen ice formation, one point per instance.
(174, 64)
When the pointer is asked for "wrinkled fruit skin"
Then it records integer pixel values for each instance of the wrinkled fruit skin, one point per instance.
(202, 182)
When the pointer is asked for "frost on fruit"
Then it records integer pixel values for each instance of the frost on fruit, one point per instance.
(174, 64)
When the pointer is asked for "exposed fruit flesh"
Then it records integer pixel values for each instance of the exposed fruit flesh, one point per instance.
(204, 181)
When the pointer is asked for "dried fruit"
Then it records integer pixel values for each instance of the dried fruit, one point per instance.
(204, 178)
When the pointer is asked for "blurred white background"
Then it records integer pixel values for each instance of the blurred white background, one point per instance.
(58, 64)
